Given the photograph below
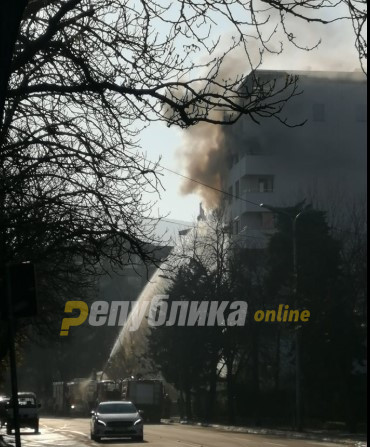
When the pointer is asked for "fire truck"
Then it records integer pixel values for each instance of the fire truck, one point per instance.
(147, 395)
(80, 396)
(74, 397)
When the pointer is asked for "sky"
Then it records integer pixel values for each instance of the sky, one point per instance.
(337, 52)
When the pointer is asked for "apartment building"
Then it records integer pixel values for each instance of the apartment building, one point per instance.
(325, 159)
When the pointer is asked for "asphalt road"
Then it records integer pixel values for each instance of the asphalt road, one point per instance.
(75, 433)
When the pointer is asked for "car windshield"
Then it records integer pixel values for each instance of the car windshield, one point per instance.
(24, 402)
(27, 401)
(119, 408)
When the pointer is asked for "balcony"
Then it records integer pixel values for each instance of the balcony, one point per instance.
(239, 207)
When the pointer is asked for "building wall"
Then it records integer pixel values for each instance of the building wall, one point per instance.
(325, 158)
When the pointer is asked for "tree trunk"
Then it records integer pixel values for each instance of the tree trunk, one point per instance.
(188, 404)
(256, 394)
(277, 361)
(212, 394)
(230, 390)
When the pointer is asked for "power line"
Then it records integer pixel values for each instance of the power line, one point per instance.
(195, 226)
(221, 191)
(198, 181)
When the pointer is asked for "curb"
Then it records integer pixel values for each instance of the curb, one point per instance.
(359, 442)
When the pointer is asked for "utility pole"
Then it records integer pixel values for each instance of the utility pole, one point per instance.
(12, 357)
(298, 376)
(17, 300)
(298, 361)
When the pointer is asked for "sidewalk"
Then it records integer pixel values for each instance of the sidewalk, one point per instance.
(320, 436)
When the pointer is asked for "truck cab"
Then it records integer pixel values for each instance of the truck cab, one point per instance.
(147, 395)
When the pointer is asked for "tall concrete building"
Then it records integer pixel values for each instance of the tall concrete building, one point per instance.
(324, 160)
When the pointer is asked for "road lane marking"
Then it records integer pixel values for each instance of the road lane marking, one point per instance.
(189, 444)
(326, 444)
(79, 433)
(274, 443)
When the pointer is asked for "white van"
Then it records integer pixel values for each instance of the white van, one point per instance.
(28, 412)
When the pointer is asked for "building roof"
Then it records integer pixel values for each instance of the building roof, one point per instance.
(352, 76)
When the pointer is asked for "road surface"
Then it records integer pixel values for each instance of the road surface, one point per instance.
(75, 433)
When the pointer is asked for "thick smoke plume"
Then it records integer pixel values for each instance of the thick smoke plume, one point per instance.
(203, 152)
(204, 160)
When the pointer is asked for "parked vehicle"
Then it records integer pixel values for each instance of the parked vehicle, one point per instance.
(77, 397)
(117, 419)
(146, 395)
(108, 390)
(60, 402)
(3, 413)
(28, 412)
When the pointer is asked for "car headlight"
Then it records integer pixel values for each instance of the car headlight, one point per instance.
(100, 422)
(138, 422)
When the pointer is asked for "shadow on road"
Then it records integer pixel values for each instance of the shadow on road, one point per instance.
(121, 441)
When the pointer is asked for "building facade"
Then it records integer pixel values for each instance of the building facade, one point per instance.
(323, 161)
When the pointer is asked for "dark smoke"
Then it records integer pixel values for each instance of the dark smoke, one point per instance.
(205, 160)
(203, 152)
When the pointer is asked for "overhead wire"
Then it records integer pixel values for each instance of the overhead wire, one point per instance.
(221, 191)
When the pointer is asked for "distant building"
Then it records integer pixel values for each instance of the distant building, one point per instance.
(325, 159)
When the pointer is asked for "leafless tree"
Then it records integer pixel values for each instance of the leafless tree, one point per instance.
(86, 77)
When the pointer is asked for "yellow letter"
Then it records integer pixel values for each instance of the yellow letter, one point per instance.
(280, 311)
(294, 314)
(259, 316)
(68, 322)
(305, 316)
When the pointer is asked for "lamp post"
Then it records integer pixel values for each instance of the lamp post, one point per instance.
(298, 384)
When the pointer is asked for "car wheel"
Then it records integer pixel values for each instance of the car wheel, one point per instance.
(139, 438)
(36, 427)
(8, 429)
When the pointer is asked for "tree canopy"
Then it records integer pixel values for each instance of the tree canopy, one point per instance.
(87, 76)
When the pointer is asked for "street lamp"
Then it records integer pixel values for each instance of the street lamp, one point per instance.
(298, 386)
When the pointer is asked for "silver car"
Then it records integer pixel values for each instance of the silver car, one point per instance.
(117, 420)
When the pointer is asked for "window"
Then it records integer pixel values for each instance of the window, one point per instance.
(319, 113)
(230, 227)
(258, 183)
(361, 113)
(230, 194)
(268, 221)
(253, 220)
(237, 226)
(266, 184)
(237, 189)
